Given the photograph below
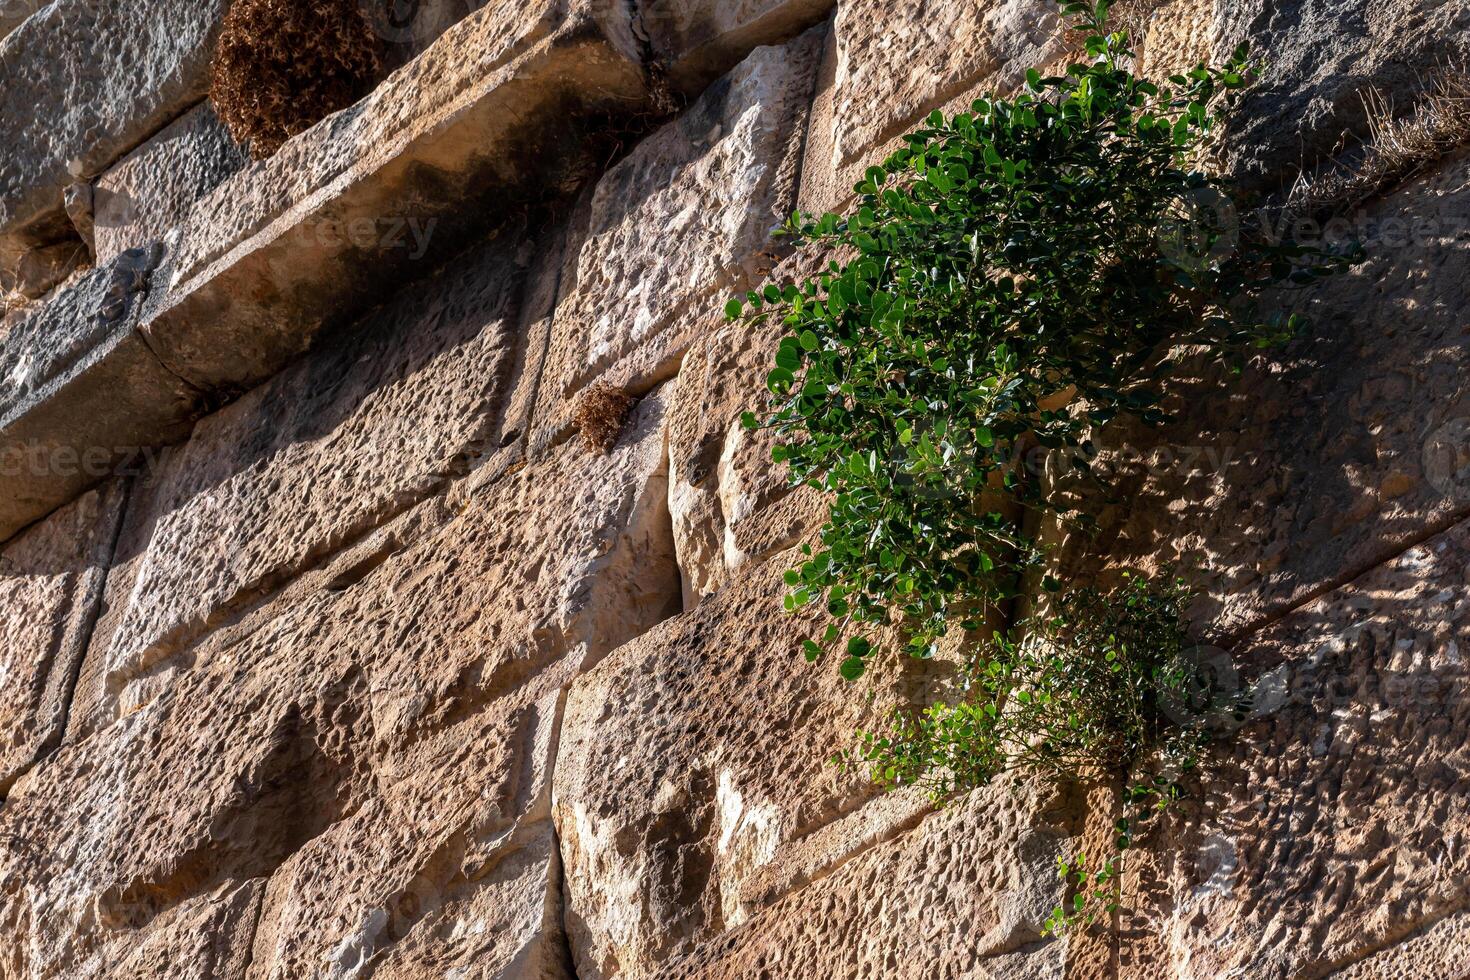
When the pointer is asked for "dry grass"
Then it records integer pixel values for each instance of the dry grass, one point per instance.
(283, 65)
(601, 415)
(1398, 147)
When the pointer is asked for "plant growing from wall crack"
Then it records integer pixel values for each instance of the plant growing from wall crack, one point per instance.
(1013, 277)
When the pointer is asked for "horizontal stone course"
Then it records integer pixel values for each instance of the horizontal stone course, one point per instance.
(376, 755)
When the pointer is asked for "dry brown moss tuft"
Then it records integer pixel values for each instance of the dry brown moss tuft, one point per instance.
(282, 65)
(601, 415)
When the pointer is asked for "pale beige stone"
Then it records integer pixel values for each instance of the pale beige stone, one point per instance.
(891, 63)
(50, 585)
(327, 450)
(962, 895)
(1322, 460)
(722, 482)
(727, 734)
(151, 189)
(674, 228)
(85, 82)
(1327, 829)
(380, 750)
(445, 148)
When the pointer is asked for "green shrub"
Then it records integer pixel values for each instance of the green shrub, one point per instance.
(1014, 280)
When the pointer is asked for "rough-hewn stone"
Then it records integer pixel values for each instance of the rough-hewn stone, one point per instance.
(963, 895)
(130, 69)
(51, 579)
(379, 751)
(727, 735)
(327, 450)
(891, 63)
(150, 190)
(1322, 55)
(696, 41)
(722, 484)
(81, 392)
(1325, 459)
(672, 229)
(450, 144)
(1329, 827)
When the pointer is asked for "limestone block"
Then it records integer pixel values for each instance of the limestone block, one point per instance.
(151, 189)
(131, 69)
(1325, 458)
(80, 391)
(50, 585)
(891, 63)
(379, 751)
(697, 41)
(721, 479)
(674, 228)
(697, 756)
(1328, 828)
(964, 894)
(447, 147)
(335, 445)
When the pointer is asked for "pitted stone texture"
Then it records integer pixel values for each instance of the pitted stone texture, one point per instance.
(51, 580)
(1325, 458)
(330, 448)
(697, 41)
(698, 755)
(448, 147)
(129, 70)
(963, 895)
(891, 63)
(1177, 36)
(674, 228)
(1438, 953)
(722, 484)
(380, 751)
(1330, 826)
(80, 391)
(1321, 56)
(148, 192)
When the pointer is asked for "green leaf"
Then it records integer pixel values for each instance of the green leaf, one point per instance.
(852, 668)
(733, 309)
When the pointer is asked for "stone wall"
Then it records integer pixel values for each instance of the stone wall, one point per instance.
(331, 652)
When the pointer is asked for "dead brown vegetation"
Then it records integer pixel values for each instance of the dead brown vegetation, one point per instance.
(282, 65)
(601, 415)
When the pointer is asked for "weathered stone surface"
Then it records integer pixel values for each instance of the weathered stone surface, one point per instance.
(697, 41)
(80, 391)
(1330, 826)
(379, 751)
(1324, 459)
(1438, 953)
(722, 484)
(13, 12)
(676, 226)
(892, 63)
(696, 756)
(1176, 37)
(50, 585)
(963, 895)
(130, 69)
(449, 145)
(1322, 55)
(327, 450)
(150, 190)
